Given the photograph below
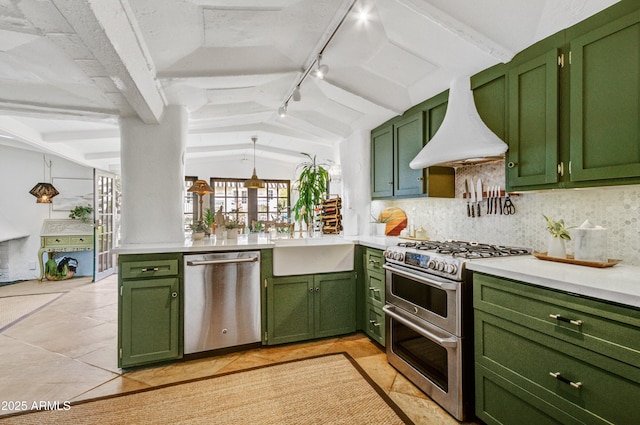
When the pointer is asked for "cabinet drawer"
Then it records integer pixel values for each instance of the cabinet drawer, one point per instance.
(375, 324)
(149, 268)
(608, 329)
(81, 240)
(375, 288)
(591, 387)
(374, 260)
(56, 240)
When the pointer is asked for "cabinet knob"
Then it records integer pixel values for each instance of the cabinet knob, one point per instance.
(174, 295)
(318, 289)
(420, 179)
(561, 169)
(310, 289)
(511, 164)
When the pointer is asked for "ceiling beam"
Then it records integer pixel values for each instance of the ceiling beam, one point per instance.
(110, 32)
(459, 29)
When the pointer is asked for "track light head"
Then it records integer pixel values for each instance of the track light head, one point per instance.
(296, 96)
(322, 70)
(282, 111)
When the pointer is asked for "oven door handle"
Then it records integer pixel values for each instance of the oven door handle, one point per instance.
(414, 276)
(444, 342)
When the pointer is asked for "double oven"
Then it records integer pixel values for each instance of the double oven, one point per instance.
(429, 317)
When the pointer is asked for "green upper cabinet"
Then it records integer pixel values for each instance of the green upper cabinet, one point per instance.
(382, 161)
(605, 107)
(533, 122)
(409, 134)
(397, 142)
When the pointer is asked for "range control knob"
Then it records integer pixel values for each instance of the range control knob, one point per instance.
(451, 268)
(399, 256)
(432, 264)
(387, 254)
(440, 266)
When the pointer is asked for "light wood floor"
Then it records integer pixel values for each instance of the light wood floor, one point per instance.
(66, 351)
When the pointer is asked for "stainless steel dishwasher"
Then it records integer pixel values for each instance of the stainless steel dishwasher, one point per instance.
(221, 300)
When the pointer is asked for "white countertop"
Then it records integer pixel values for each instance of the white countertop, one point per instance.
(619, 284)
(208, 244)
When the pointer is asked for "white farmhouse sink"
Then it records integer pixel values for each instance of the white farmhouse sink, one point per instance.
(312, 255)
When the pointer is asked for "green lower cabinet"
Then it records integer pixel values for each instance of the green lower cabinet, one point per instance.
(310, 306)
(149, 311)
(533, 368)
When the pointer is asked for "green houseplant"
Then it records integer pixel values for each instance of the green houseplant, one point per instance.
(312, 184)
(559, 233)
(81, 212)
(199, 228)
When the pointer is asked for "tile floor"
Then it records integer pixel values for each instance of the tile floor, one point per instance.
(66, 351)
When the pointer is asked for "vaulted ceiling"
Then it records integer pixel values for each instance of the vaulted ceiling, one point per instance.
(70, 68)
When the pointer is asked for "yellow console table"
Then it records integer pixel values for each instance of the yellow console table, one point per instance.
(64, 235)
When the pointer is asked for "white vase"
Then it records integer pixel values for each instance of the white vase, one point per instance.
(556, 248)
(233, 233)
(197, 236)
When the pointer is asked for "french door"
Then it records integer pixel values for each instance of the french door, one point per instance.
(106, 231)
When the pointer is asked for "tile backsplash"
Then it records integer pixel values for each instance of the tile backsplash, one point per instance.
(615, 208)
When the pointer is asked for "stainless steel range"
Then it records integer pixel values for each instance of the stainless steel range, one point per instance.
(429, 317)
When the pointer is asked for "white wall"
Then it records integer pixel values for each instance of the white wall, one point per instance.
(20, 170)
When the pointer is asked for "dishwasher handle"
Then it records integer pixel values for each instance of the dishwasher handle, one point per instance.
(223, 261)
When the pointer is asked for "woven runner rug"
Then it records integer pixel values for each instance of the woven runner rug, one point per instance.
(16, 307)
(328, 389)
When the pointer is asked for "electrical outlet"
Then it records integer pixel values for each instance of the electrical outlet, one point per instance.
(32, 265)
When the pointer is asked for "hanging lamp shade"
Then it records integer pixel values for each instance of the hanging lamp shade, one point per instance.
(44, 192)
(254, 182)
(200, 187)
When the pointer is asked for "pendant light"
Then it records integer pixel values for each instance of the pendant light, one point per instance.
(254, 182)
(44, 191)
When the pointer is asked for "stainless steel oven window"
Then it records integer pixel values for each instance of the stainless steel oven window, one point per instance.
(424, 355)
(428, 297)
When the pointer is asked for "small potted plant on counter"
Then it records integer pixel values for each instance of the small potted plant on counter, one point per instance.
(209, 219)
(233, 228)
(559, 233)
(198, 229)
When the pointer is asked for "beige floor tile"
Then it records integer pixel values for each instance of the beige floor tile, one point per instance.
(117, 385)
(379, 370)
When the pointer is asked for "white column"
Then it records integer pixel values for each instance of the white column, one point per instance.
(152, 160)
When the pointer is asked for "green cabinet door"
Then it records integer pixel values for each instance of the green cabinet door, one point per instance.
(334, 304)
(289, 309)
(533, 122)
(150, 321)
(409, 139)
(382, 161)
(605, 106)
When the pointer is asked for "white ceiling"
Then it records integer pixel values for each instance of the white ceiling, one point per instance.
(69, 68)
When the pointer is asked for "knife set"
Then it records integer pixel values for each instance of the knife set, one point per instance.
(497, 202)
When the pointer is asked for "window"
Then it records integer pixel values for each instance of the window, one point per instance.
(246, 206)
(189, 203)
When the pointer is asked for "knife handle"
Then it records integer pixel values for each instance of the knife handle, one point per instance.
(468, 209)
(478, 209)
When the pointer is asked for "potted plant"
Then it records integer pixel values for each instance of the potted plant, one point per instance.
(380, 224)
(233, 228)
(198, 229)
(312, 184)
(209, 219)
(81, 212)
(559, 233)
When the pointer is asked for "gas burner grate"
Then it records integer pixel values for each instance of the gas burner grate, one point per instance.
(468, 250)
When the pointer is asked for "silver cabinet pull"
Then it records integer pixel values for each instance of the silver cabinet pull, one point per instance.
(222, 261)
(374, 323)
(566, 320)
(371, 288)
(149, 269)
(565, 380)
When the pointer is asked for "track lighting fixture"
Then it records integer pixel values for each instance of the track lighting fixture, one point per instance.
(322, 69)
(296, 94)
(282, 111)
